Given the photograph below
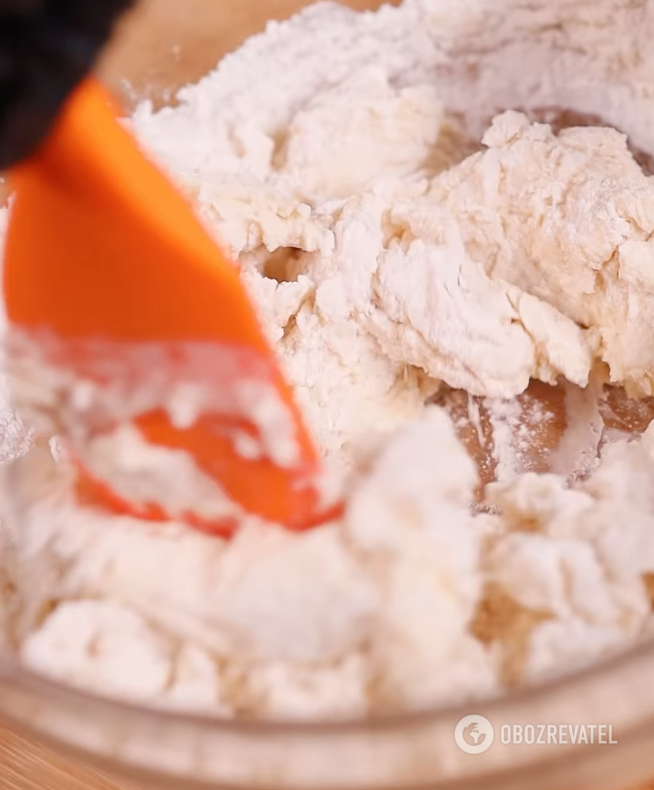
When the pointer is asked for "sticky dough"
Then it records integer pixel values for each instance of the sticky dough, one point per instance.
(399, 232)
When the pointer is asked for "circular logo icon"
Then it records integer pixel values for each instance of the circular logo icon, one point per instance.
(474, 734)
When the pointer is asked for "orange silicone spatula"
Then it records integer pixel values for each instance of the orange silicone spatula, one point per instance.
(101, 247)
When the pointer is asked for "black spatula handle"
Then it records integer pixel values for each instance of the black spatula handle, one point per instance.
(46, 48)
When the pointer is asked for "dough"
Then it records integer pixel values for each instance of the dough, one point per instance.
(400, 234)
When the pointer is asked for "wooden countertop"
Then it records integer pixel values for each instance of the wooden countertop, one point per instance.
(26, 766)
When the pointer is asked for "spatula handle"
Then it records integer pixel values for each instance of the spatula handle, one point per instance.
(46, 48)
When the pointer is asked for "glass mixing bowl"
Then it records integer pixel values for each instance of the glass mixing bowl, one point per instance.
(160, 47)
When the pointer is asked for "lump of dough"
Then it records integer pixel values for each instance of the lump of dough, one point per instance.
(361, 129)
(411, 515)
(579, 555)
(103, 647)
(312, 692)
(567, 218)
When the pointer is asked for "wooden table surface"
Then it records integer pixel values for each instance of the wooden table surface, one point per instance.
(26, 766)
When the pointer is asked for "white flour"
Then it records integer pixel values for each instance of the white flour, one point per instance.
(331, 155)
